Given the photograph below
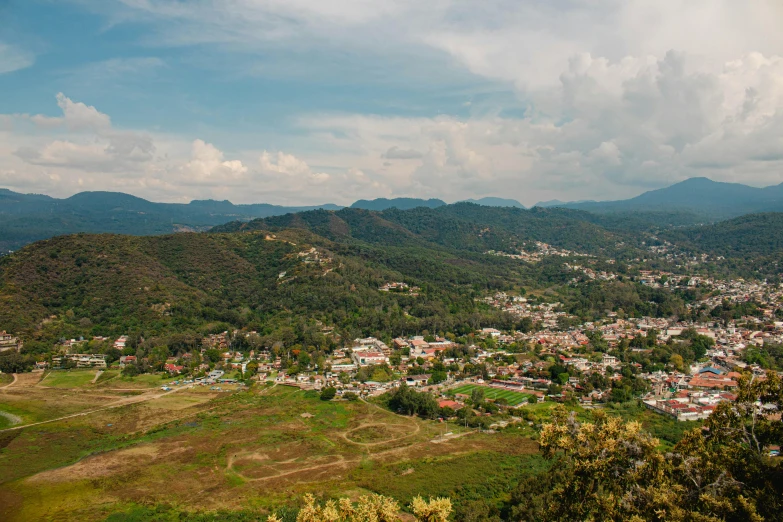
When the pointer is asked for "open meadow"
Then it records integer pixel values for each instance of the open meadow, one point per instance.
(125, 452)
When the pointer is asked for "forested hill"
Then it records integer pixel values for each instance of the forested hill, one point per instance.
(461, 226)
(25, 218)
(751, 235)
(111, 284)
(712, 200)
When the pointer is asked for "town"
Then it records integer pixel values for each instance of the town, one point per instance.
(675, 368)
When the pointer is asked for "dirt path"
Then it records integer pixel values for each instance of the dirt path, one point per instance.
(42, 380)
(346, 434)
(13, 419)
(97, 375)
(122, 402)
(10, 383)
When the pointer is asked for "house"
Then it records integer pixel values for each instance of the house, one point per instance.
(340, 368)
(82, 360)
(127, 359)
(417, 380)
(121, 342)
(490, 332)
(173, 368)
(368, 358)
(8, 342)
(445, 403)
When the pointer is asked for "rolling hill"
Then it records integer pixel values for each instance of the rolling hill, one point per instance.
(25, 218)
(184, 282)
(459, 227)
(750, 235)
(712, 200)
(399, 203)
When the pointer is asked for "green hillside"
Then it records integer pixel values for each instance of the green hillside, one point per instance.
(111, 284)
(754, 234)
(462, 226)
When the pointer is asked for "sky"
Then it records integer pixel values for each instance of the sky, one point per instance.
(300, 102)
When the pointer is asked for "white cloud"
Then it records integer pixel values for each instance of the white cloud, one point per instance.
(13, 58)
(208, 167)
(397, 153)
(617, 97)
(76, 116)
(287, 169)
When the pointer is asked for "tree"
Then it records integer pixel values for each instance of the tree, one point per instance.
(410, 402)
(213, 355)
(372, 508)
(676, 361)
(700, 344)
(477, 396)
(130, 370)
(327, 394)
(437, 377)
(13, 362)
(608, 469)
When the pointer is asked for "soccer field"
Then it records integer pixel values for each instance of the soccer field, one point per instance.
(514, 398)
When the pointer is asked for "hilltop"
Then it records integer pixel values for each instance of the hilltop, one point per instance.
(461, 226)
(25, 218)
(710, 199)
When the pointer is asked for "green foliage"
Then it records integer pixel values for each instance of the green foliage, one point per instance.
(14, 362)
(608, 469)
(408, 401)
(327, 394)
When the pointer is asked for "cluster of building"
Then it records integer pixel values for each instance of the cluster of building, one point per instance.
(545, 314)
(540, 251)
(80, 360)
(398, 286)
(9, 342)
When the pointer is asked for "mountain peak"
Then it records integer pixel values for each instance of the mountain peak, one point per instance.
(399, 203)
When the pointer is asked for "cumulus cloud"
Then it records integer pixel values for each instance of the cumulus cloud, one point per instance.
(617, 129)
(76, 116)
(207, 166)
(579, 100)
(289, 168)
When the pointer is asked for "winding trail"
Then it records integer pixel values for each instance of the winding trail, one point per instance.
(340, 461)
(10, 383)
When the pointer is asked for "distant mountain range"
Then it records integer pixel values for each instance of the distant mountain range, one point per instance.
(25, 218)
(495, 202)
(712, 200)
(398, 203)
(410, 203)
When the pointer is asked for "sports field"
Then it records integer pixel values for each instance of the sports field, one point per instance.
(514, 398)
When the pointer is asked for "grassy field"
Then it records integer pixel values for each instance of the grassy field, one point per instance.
(514, 398)
(669, 431)
(254, 451)
(68, 378)
(6, 378)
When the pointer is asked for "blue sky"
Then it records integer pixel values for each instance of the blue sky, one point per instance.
(301, 101)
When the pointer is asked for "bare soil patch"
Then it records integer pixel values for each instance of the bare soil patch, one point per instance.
(107, 464)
